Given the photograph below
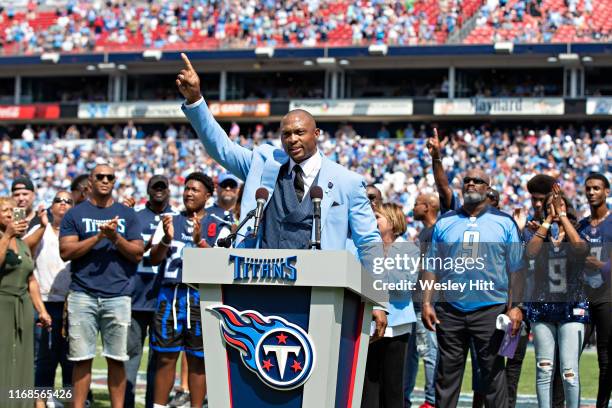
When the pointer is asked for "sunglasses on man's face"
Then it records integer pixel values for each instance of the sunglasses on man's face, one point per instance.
(229, 184)
(475, 180)
(58, 200)
(109, 177)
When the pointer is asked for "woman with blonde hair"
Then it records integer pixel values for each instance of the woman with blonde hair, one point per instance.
(384, 379)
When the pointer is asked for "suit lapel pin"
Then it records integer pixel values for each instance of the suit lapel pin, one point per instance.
(329, 186)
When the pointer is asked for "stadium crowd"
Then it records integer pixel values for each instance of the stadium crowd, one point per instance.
(537, 21)
(418, 173)
(83, 25)
(398, 163)
(87, 26)
(93, 26)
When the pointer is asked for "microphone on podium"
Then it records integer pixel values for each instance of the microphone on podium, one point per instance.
(316, 195)
(261, 196)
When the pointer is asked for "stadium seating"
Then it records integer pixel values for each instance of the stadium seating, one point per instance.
(558, 22)
(82, 27)
(399, 166)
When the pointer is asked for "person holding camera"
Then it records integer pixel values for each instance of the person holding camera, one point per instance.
(19, 293)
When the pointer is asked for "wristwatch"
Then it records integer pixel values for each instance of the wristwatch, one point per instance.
(562, 214)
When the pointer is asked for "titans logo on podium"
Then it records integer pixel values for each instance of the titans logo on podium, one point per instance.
(282, 269)
(279, 352)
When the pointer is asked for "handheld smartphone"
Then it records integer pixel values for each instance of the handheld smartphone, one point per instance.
(18, 214)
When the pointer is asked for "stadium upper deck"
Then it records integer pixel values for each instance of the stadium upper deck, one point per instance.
(95, 26)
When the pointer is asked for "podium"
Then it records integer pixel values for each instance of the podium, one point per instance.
(282, 328)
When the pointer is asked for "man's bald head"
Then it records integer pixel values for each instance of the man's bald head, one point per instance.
(433, 200)
(299, 135)
(103, 168)
(426, 204)
(303, 115)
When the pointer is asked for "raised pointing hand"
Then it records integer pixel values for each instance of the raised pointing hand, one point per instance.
(188, 82)
(433, 145)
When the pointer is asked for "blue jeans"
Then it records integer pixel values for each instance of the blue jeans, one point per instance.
(422, 345)
(88, 315)
(142, 322)
(568, 337)
(52, 349)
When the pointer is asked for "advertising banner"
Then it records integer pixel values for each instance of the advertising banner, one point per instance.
(354, 107)
(599, 106)
(499, 106)
(169, 110)
(38, 111)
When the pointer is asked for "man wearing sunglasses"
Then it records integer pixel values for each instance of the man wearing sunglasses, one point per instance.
(103, 240)
(491, 239)
(448, 198)
(449, 201)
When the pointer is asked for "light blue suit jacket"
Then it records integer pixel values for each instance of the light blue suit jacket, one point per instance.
(344, 205)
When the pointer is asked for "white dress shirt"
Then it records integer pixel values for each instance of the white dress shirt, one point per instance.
(311, 167)
(195, 104)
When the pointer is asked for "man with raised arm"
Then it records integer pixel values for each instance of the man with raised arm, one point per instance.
(288, 174)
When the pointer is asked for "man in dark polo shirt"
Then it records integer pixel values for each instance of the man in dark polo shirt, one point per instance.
(103, 240)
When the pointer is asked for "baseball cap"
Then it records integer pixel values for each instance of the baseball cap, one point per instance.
(22, 183)
(158, 179)
(225, 177)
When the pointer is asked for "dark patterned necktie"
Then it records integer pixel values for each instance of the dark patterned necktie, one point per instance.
(298, 182)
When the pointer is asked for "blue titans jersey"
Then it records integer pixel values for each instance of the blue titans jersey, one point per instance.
(172, 266)
(528, 283)
(595, 237)
(559, 289)
(493, 247)
(216, 220)
(146, 280)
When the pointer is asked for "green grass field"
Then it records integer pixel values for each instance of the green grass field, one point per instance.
(589, 373)
(588, 377)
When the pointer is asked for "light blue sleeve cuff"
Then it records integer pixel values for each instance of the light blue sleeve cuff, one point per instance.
(195, 104)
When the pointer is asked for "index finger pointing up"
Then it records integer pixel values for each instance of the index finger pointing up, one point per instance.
(187, 62)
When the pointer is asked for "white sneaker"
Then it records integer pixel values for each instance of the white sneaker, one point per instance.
(53, 403)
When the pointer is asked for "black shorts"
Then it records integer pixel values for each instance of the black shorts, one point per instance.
(178, 324)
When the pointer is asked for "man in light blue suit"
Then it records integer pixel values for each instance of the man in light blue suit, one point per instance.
(288, 174)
